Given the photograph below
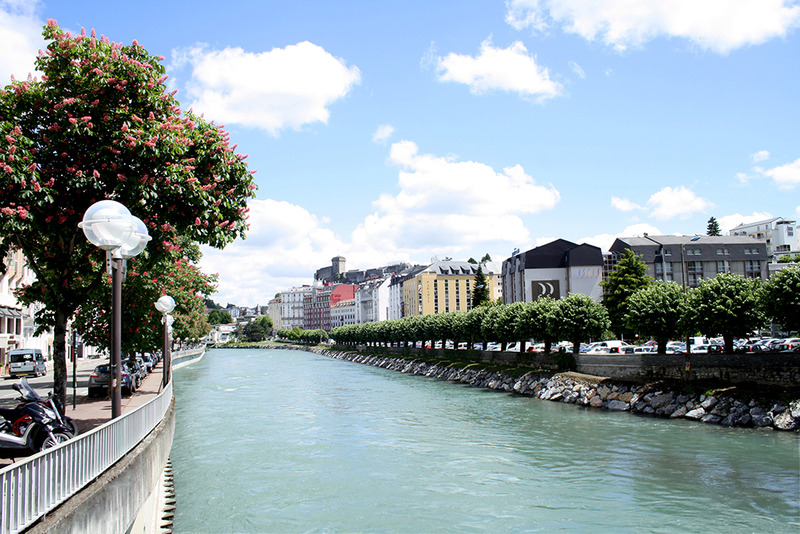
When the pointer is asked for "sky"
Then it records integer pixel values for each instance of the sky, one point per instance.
(407, 131)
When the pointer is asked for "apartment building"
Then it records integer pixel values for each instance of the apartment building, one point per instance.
(292, 306)
(553, 270)
(372, 300)
(447, 286)
(343, 312)
(687, 260)
(779, 234)
(318, 303)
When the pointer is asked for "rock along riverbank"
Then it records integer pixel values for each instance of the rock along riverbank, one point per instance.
(597, 392)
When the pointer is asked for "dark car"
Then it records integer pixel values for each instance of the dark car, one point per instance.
(100, 377)
(137, 371)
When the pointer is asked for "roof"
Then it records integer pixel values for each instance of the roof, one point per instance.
(766, 221)
(454, 268)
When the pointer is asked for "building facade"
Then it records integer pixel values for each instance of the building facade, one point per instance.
(553, 270)
(292, 306)
(779, 234)
(447, 286)
(343, 312)
(372, 300)
(17, 322)
(318, 303)
(687, 260)
(274, 311)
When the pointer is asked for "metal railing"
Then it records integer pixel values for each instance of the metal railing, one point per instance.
(38, 484)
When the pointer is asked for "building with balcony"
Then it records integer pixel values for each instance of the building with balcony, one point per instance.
(292, 306)
(553, 270)
(779, 234)
(18, 322)
(372, 300)
(686, 260)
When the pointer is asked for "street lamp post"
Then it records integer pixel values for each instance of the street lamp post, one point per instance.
(165, 305)
(110, 226)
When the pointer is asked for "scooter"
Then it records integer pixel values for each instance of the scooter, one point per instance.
(33, 426)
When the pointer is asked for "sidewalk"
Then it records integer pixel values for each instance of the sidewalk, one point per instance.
(93, 412)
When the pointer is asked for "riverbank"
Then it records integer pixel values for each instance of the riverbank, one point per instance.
(732, 407)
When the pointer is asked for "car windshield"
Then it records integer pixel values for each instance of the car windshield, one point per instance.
(18, 358)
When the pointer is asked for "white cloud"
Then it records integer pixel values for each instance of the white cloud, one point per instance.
(382, 134)
(717, 25)
(623, 204)
(21, 32)
(761, 155)
(729, 222)
(284, 245)
(282, 88)
(451, 206)
(785, 176)
(507, 69)
(678, 202)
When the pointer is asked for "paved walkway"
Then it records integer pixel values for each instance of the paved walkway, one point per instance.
(92, 412)
(89, 413)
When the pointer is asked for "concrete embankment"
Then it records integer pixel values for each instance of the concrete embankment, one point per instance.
(597, 392)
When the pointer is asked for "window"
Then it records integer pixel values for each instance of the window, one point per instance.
(723, 252)
(667, 252)
(752, 269)
(789, 231)
(694, 270)
(723, 266)
(664, 273)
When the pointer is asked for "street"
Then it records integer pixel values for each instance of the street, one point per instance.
(44, 384)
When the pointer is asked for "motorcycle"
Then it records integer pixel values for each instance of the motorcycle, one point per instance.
(32, 426)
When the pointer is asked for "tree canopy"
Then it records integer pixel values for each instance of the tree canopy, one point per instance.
(713, 227)
(782, 297)
(657, 310)
(629, 275)
(726, 305)
(480, 289)
(577, 318)
(100, 124)
(219, 317)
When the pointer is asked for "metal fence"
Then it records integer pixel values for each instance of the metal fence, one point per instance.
(38, 484)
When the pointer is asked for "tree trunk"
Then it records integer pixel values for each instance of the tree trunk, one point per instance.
(728, 343)
(60, 358)
(662, 345)
(576, 347)
(548, 346)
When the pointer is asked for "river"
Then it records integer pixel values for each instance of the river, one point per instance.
(290, 441)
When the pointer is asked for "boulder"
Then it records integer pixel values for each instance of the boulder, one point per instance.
(680, 412)
(696, 414)
(596, 402)
(618, 405)
(785, 421)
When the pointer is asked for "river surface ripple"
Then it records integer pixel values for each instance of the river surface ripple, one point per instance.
(290, 441)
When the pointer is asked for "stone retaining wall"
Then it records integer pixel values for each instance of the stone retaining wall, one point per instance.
(598, 392)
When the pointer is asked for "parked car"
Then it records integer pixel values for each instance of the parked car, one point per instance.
(100, 378)
(137, 372)
(26, 362)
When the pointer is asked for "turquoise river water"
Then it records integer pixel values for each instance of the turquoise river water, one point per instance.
(290, 441)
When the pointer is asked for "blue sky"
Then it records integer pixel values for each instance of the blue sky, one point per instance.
(387, 131)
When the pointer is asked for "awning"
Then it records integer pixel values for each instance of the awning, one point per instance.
(9, 312)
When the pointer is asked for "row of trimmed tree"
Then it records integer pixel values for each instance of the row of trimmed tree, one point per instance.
(727, 305)
(304, 336)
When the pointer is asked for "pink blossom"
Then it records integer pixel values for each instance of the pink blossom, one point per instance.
(122, 178)
(7, 169)
(197, 221)
(32, 167)
(73, 120)
(36, 186)
(17, 130)
(95, 173)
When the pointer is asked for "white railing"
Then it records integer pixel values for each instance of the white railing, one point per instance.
(36, 485)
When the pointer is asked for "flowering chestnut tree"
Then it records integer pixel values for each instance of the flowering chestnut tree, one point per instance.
(100, 124)
(176, 276)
